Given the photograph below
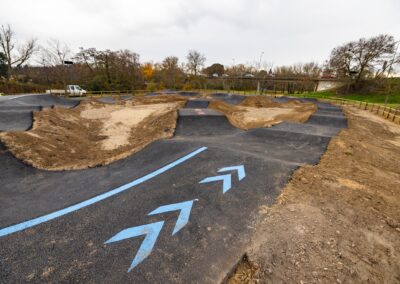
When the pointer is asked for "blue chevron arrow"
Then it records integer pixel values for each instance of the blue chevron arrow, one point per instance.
(150, 230)
(184, 207)
(227, 179)
(227, 182)
(239, 169)
(153, 230)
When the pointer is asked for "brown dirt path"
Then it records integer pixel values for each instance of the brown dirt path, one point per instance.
(338, 221)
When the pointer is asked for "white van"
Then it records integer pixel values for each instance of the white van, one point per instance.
(72, 90)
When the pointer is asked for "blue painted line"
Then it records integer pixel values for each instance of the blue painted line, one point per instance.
(183, 218)
(36, 221)
(150, 230)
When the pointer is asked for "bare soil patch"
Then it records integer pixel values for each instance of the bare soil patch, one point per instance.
(261, 111)
(94, 133)
(338, 221)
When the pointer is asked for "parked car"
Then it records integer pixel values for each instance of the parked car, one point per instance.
(71, 90)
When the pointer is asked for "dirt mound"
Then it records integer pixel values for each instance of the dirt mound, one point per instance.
(93, 133)
(171, 98)
(258, 101)
(338, 221)
(261, 111)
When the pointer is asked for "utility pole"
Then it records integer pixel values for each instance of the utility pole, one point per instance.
(259, 69)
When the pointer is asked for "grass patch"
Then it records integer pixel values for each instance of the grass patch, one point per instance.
(393, 100)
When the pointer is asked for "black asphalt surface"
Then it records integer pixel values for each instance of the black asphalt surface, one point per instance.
(16, 112)
(229, 98)
(72, 248)
(197, 103)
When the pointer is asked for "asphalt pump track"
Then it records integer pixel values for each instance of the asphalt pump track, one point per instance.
(180, 211)
(16, 112)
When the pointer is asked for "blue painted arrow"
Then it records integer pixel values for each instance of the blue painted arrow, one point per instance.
(184, 207)
(150, 230)
(153, 230)
(227, 180)
(239, 169)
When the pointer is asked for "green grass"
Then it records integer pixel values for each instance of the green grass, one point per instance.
(393, 100)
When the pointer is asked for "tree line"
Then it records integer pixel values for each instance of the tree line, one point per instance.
(49, 66)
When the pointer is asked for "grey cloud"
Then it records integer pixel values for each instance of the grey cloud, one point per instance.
(288, 31)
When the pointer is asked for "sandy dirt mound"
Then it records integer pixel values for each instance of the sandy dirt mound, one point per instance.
(171, 98)
(261, 111)
(93, 133)
(339, 221)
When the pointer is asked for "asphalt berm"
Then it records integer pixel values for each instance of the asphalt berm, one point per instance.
(17, 113)
(222, 221)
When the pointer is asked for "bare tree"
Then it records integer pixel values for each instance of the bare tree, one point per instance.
(239, 70)
(55, 53)
(88, 57)
(304, 70)
(170, 62)
(3, 65)
(311, 69)
(363, 58)
(171, 75)
(126, 67)
(15, 54)
(109, 69)
(267, 65)
(53, 56)
(195, 60)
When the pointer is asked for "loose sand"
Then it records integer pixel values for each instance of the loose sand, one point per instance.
(261, 111)
(94, 133)
(338, 221)
(117, 121)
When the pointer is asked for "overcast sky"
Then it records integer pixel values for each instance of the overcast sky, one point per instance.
(225, 31)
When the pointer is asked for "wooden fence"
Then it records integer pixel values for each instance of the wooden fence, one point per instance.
(388, 113)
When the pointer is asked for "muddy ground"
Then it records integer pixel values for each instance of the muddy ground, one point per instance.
(338, 221)
(261, 111)
(94, 133)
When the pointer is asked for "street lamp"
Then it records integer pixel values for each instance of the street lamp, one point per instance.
(259, 63)
(65, 62)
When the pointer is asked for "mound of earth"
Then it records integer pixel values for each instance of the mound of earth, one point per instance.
(261, 111)
(158, 99)
(338, 221)
(94, 133)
